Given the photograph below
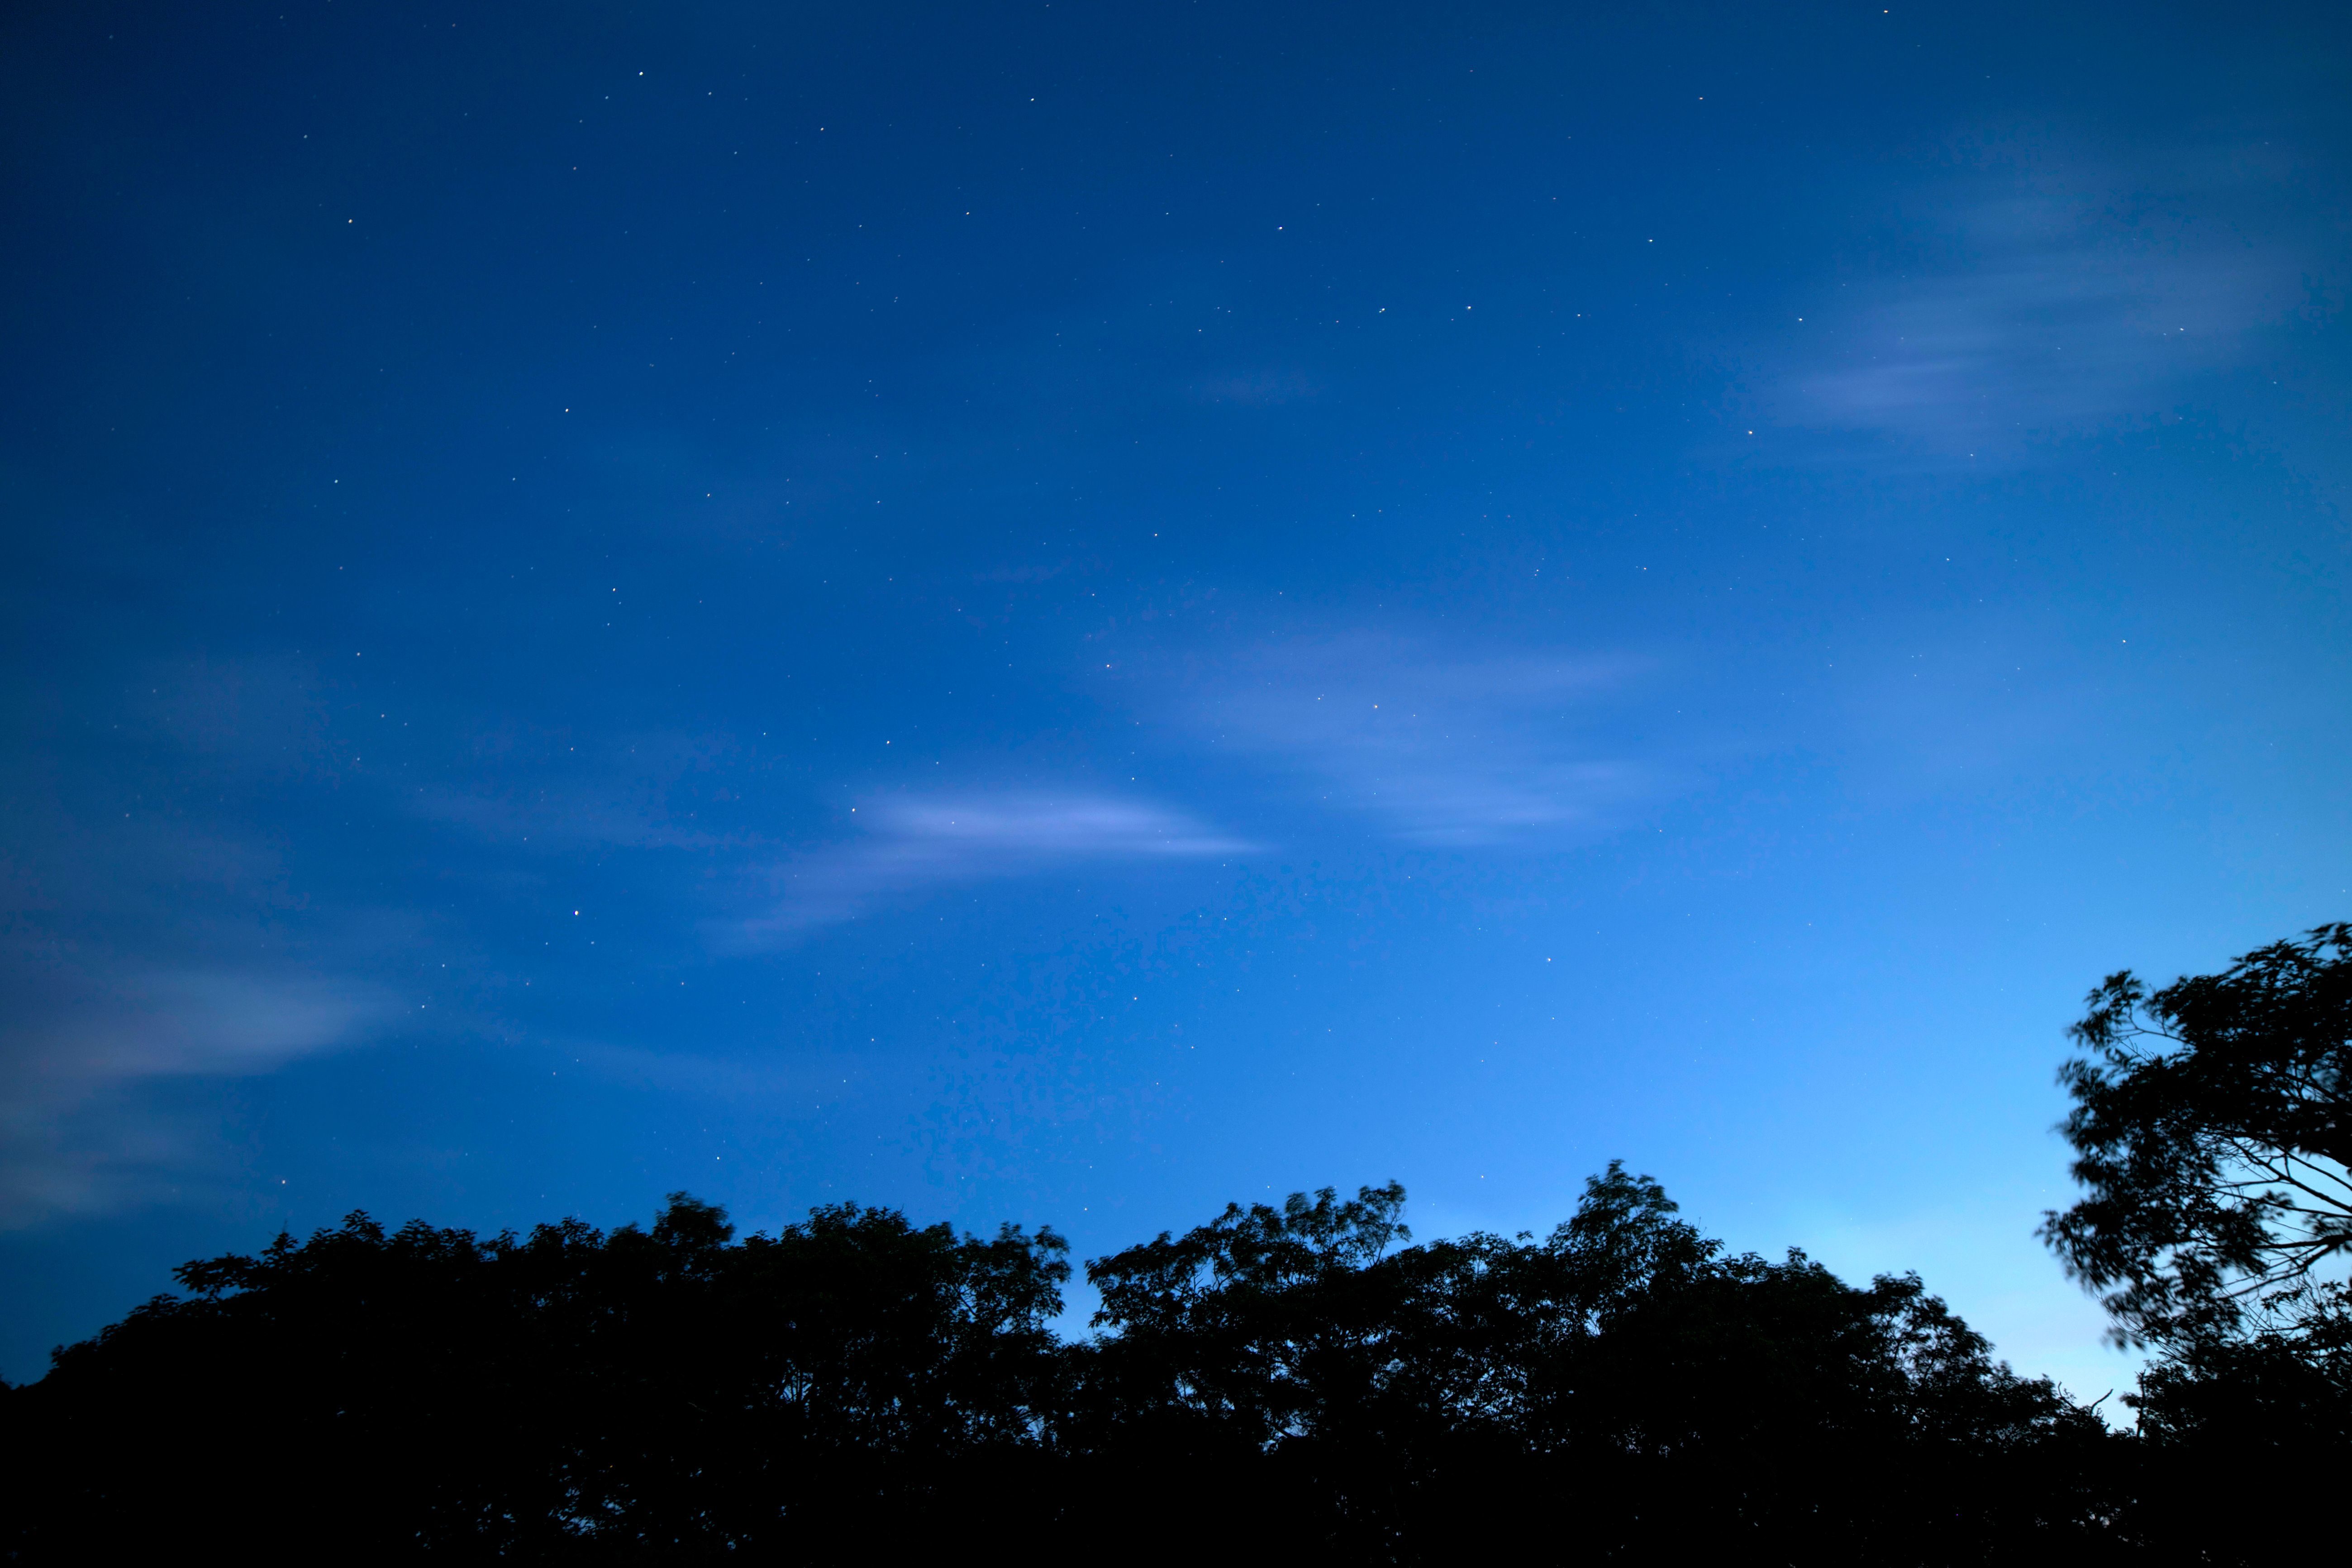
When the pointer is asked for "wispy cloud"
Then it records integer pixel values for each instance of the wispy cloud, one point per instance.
(908, 848)
(1438, 748)
(83, 1042)
(152, 945)
(2041, 301)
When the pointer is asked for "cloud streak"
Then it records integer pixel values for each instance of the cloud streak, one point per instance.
(2044, 305)
(912, 846)
(153, 947)
(81, 1044)
(1437, 749)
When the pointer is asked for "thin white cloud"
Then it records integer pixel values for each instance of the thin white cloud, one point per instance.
(2045, 300)
(147, 956)
(909, 848)
(77, 1135)
(1441, 749)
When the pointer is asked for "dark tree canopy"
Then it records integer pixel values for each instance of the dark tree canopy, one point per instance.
(2212, 1126)
(1646, 1394)
(565, 1394)
(1292, 1383)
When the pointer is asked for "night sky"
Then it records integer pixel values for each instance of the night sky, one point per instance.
(1068, 613)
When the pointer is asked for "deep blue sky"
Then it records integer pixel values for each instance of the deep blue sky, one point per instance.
(1070, 612)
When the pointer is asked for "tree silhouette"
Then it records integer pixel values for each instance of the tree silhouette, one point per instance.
(659, 1392)
(1623, 1370)
(2212, 1126)
(1292, 1383)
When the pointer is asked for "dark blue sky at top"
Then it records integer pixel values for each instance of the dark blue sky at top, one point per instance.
(1068, 613)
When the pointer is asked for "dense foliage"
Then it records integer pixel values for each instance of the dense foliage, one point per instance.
(2212, 1126)
(1620, 1390)
(1280, 1383)
(2212, 1129)
(648, 1394)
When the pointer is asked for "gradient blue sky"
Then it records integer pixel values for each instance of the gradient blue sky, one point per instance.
(1070, 612)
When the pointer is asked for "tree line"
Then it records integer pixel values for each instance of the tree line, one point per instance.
(1298, 1382)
